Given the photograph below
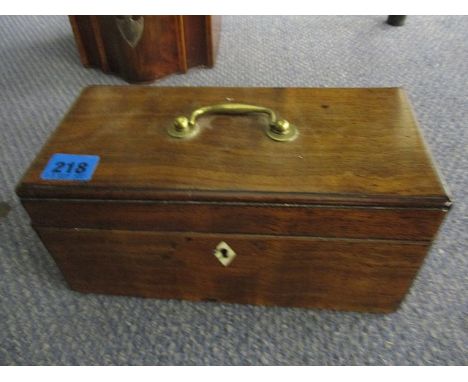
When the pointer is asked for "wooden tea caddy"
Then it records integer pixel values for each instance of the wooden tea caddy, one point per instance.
(318, 198)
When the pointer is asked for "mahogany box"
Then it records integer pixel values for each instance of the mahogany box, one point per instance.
(144, 48)
(318, 198)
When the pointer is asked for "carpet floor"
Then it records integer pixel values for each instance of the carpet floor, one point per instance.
(42, 322)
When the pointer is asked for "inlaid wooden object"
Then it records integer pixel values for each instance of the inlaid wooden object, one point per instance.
(144, 48)
(318, 198)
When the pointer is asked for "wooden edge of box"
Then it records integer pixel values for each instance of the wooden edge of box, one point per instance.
(34, 191)
(72, 190)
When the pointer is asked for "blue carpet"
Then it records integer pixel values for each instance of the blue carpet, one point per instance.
(42, 322)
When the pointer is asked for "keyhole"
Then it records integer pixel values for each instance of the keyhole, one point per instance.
(224, 252)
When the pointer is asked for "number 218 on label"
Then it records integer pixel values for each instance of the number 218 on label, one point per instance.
(72, 167)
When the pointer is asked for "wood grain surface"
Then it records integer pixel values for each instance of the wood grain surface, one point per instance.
(169, 44)
(340, 218)
(362, 275)
(359, 144)
(349, 222)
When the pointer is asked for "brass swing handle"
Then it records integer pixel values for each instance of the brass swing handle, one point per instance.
(278, 129)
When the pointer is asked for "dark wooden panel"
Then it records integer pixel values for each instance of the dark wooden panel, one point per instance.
(168, 44)
(358, 143)
(84, 39)
(156, 54)
(379, 223)
(362, 275)
(195, 39)
(213, 32)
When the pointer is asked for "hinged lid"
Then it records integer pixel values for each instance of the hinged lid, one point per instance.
(354, 147)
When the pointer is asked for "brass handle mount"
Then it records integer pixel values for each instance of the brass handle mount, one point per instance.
(278, 129)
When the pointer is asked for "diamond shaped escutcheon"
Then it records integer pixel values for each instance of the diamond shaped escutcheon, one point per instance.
(224, 253)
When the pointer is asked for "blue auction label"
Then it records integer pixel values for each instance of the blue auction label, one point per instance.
(70, 167)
